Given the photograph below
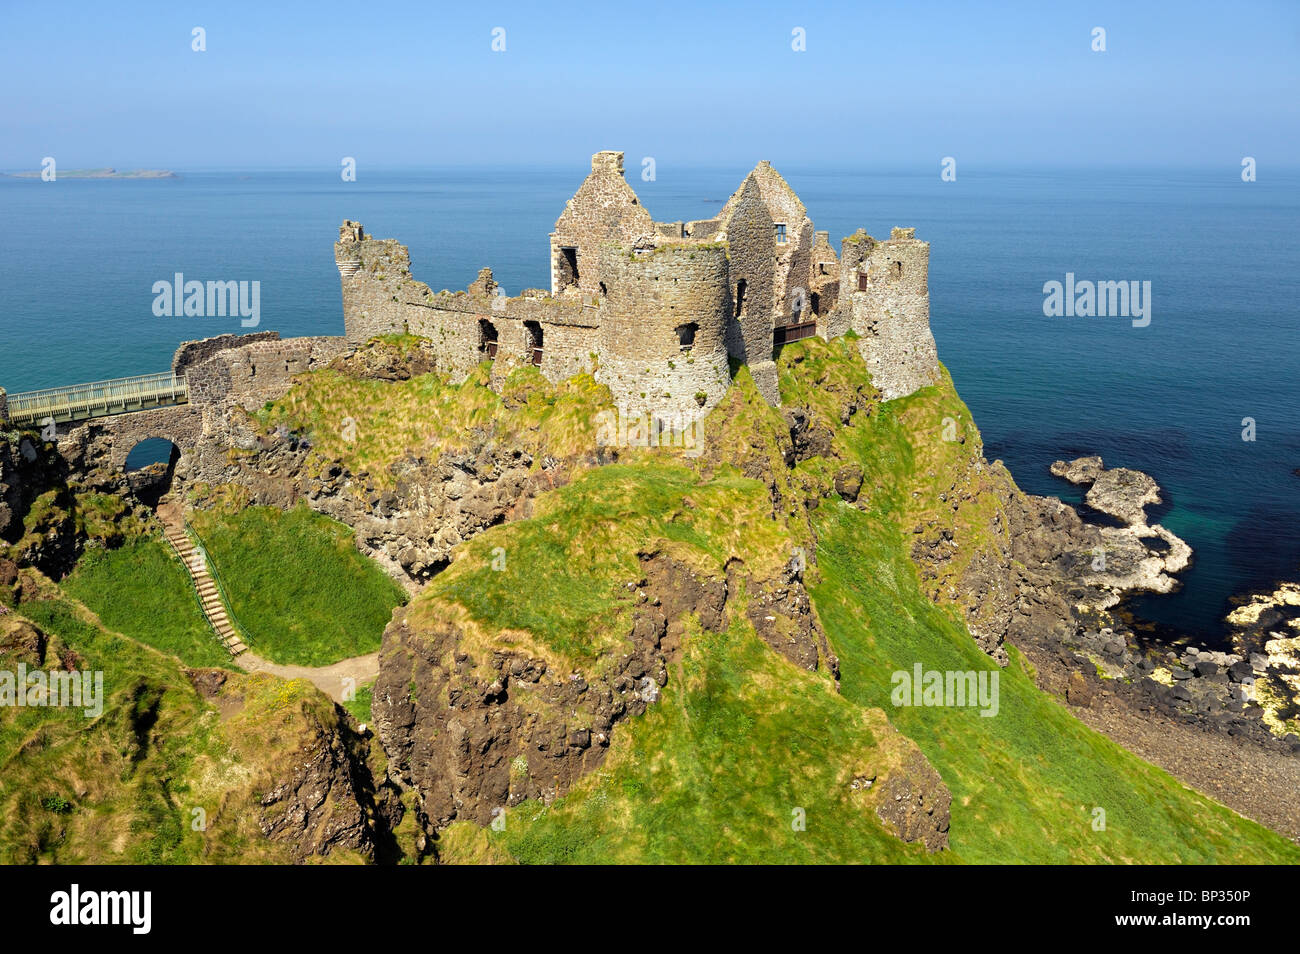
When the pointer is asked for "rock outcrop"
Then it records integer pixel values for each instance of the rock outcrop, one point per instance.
(475, 727)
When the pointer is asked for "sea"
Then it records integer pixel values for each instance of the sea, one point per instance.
(1177, 397)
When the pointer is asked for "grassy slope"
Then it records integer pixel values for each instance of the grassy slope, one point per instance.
(122, 788)
(141, 589)
(739, 739)
(739, 736)
(1024, 782)
(297, 583)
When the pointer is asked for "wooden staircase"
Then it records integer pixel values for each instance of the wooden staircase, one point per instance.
(210, 598)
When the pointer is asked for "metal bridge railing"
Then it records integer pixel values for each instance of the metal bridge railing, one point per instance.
(98, 398)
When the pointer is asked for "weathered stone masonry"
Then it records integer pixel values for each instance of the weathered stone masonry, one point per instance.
(656, 309)
(222, 373)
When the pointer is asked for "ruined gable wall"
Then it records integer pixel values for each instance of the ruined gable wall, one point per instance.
(603, 210)
(748, 232)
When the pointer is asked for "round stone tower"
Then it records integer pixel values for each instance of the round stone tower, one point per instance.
(663, 320)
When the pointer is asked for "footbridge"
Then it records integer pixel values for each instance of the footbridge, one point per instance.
(96, 425)
(83, 402)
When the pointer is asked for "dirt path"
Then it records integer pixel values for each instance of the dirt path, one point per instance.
(328, 679)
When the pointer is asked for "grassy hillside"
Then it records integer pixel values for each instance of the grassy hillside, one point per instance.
(740, 736)
(162, 775)
(141, 589)
(297, 584)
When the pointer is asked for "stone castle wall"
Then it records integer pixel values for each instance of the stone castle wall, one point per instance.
(654, 298)
(4, 408)
(592, 321)
(892, 315)
(192, 353)
(254, 372)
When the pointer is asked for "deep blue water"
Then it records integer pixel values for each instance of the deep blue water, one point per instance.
(79, 259)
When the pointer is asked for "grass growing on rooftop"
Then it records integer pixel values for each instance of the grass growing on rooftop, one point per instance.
(297, 584)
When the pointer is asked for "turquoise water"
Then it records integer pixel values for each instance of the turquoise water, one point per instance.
(80, 258)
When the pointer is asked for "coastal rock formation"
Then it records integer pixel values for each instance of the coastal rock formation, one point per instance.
(916, 804)
(476, 730)
(1266, 633)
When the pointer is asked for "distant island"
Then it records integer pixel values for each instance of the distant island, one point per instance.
(102, 174)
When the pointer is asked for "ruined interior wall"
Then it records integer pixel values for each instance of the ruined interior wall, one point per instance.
(261, 371)
(824, 282)
(650, 295)
(893, 315)
(4, 408)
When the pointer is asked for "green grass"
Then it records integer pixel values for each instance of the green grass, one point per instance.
(564, 570)
(123, 788)
(740, 737)
(359, 705)
(715, 771)
(1025, 782)
(119, 794)
(142, 590)
(297, 584)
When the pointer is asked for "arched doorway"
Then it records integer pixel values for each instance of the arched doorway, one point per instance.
(150, 466)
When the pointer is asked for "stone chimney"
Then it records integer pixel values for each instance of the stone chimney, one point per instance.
(607, 161)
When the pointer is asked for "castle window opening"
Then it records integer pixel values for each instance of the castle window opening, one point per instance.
(816, 302)
(686, 335)
(567, 267)
(740, 298)
(533, 341)
(487, 338)
(862, 281)
(898, 269)
(780, 233)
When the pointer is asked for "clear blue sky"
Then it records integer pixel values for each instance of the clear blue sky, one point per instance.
(883, 83)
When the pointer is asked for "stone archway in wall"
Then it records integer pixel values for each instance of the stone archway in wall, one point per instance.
(97, 451)
(151, 467)
(182, 426)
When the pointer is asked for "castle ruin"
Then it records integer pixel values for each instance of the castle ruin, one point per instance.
(658, 311)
